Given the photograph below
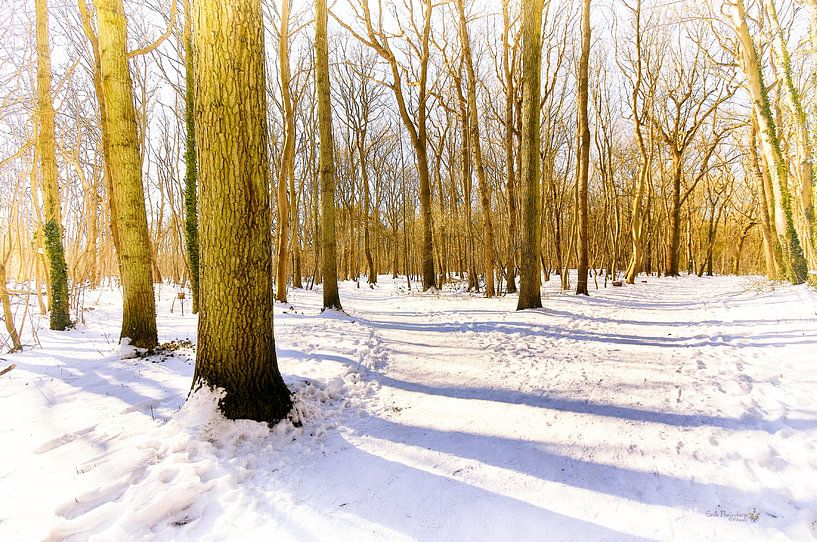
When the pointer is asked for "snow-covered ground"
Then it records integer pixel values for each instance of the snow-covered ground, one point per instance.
(680, 409)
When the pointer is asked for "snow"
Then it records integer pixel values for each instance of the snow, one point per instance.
(677, 409)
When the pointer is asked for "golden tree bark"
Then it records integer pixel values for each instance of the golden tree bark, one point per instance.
(793, 258)
(58, 277)
(287, 169)
(125, 168)
(645, 155)
(236, 344)
(85, 16)
(8, 316)
(507, 69)
(771, 244)
(804, 173)
(331, 298)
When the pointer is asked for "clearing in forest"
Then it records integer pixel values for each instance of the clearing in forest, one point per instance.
(676, 409)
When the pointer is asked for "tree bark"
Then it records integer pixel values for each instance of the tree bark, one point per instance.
(236, 344)
(771, 244)
(287, 167)
(139, 312)
(793, 259)
(508, 147)
(60, 318)
(530, 295)
(331, 298)
(191, 220)
(476, 146)
(675, 215)
(584, 150)
(8, 316)
(802, 136)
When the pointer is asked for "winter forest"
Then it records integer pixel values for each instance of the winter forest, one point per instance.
(408, 270)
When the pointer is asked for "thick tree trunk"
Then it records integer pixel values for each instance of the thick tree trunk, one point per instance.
(331, 298)
(530, 295)
(236, 345)
(60, 318)
(139, 313)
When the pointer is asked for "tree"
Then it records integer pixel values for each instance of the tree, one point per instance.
(476, 147)
(287, 167)
(690, 96)
(802, 136)
(236, 344)
(530, 295)
(191, 221)
(639, 114)
(46, 150)
(378, 39)
(125, 168)
(584, 149)
(771, 244)
(794, 262)
(508, 63)
(8, 315)
(331, 298)
(359, 97)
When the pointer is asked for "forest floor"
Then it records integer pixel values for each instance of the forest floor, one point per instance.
(673, 409)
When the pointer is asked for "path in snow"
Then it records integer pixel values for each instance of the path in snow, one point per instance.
(675, 409)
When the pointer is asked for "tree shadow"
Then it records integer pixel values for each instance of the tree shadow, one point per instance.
(554, 332)
(430, 505)
(535, 459)
(564, 404)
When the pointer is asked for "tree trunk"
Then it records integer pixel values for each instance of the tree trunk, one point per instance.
(584, 150)
(508, 147)
(794, 261)
(331, 298)
(371, 272)
(771, 245)
(287, 158)
(476, 146)
(60, 318)
(191, 220)
(139, 313)
(236, 344)
(675, 216)
(530, 295)
(296, 234)
(739, 249)
(8, 316)
(802, 137)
